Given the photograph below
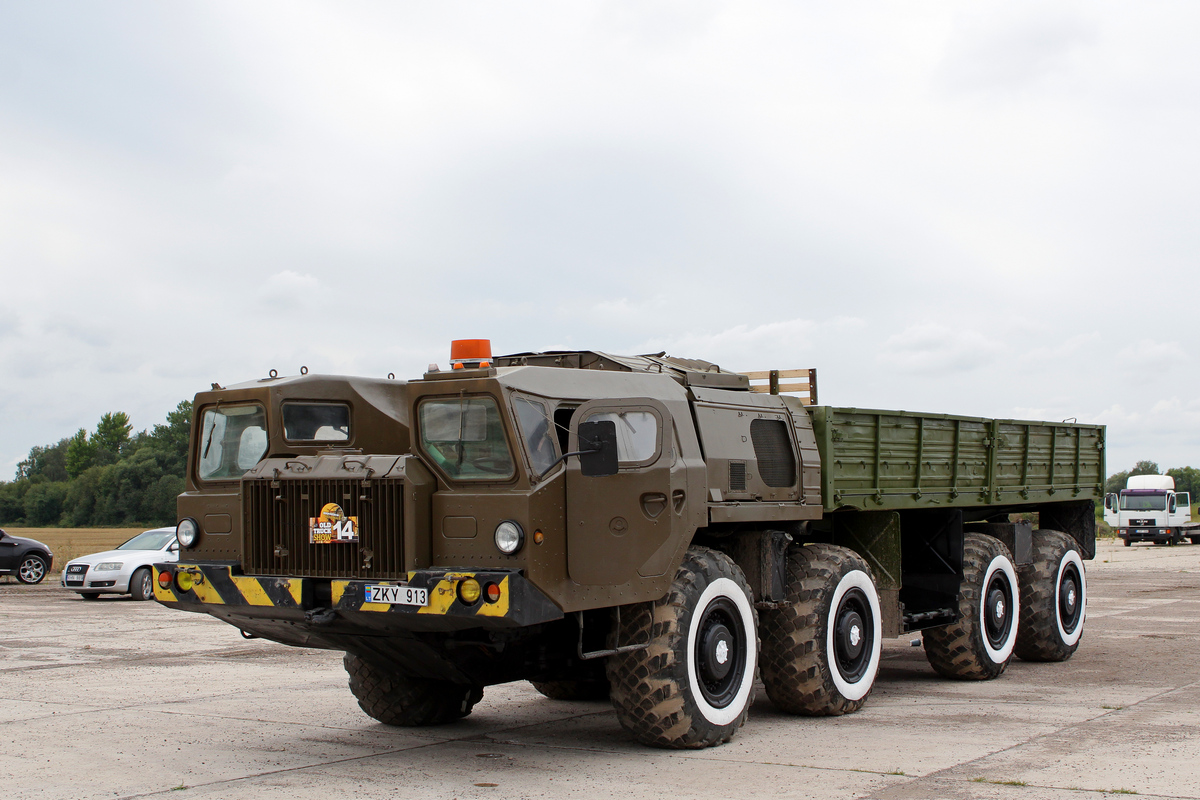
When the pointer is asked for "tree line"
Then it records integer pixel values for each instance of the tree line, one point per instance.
(106, 477)
(1187, 479)
(111, 476)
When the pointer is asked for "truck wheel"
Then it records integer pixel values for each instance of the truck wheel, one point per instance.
(573, 690)
(1053, 599)
(693, 686)
(1128, 543)
(1194, 539)
(395, 699)
(980, 644)
(820, 653)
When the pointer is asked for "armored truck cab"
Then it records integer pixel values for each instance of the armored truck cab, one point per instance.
(646, 528)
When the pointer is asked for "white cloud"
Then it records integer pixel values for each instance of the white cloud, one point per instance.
(933, 348)
(289, 291)
(973, 209)
(1014, 45)
(1146, 355)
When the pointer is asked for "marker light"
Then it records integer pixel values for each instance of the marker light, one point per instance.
(468, 591)
(509, 537)
(187, 532)
(493, 593)
(164, 579)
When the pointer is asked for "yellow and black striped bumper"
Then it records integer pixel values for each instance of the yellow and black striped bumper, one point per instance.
(216, 588)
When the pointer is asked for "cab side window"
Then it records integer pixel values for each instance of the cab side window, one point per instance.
(638, 435)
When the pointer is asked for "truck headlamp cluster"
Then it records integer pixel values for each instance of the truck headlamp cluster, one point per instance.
(187, 532)
(509, 537)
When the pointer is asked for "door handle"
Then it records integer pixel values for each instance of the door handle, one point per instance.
(653, 504)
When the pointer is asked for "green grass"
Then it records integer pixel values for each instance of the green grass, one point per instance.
(998, 783)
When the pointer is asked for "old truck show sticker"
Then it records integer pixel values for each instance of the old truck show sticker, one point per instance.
(332, 527)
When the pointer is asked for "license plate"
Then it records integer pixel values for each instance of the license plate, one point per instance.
(398, 595)
(1141, 530)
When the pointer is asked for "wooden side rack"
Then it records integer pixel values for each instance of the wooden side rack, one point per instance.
(807, 387)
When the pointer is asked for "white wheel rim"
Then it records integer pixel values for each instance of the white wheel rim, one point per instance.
(723, 587)
(1004, 652)
(856, 579)
(1072, 557)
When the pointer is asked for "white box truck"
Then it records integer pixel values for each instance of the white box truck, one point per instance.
(1149, 509)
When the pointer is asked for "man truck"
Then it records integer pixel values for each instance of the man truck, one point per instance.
(651, 529)
(1149, 509)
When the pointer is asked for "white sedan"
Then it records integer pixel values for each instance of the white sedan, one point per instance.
(125, 570)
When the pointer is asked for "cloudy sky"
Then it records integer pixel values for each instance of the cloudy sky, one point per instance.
(979, 208)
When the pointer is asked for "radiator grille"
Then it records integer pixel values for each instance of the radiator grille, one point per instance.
(277, 528)
(773, 449)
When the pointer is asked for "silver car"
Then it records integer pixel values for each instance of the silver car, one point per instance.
(125, 570)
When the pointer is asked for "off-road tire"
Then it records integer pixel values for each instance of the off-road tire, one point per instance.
(1053, 599)
(799, 663)
(963, 649)
(573, 690)
(395, 699)
(139, 587)
(673, 693)
(32, 569)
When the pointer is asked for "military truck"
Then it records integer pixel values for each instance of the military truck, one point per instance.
(652, 529)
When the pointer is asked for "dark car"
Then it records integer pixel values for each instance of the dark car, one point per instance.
(28, 559)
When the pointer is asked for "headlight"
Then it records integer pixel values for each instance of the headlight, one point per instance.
(187, 532)
(509, 537)
(108, 566)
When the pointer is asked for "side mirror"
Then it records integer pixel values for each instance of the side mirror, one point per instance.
(174, 548)
(1110, 502)
(1171, 507)
(598, 448)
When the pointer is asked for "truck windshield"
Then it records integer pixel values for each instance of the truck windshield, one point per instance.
(537, 430)
(150, 540)
(465, 437)
(1143, 502)
(232, 440)
(316, 422)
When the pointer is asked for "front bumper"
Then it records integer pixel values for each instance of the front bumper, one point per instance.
(115, 581)
(324, 605)
(1150, 534)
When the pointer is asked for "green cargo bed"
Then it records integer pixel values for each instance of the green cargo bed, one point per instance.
(877, 460)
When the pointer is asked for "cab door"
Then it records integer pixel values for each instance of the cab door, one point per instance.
(615, 523)
(1111, 514)
(8, 552)
(1179, 508)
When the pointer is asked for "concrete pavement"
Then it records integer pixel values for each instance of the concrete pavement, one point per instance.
(120, 699)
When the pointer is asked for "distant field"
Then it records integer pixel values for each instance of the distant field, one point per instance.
(68, 543)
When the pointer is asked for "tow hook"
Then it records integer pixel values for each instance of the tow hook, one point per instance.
(320, 616)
